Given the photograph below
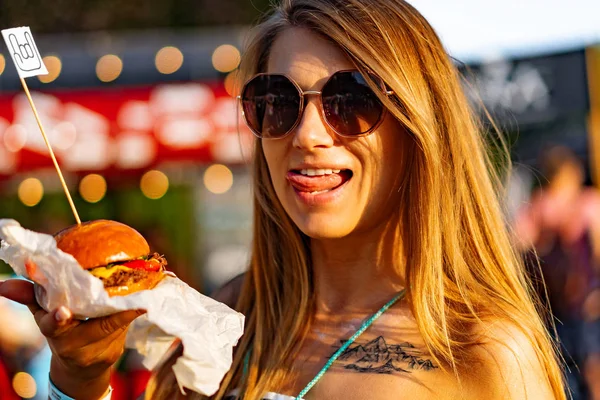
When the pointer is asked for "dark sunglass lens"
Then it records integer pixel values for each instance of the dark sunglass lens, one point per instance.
(271, 105)
(350, 105)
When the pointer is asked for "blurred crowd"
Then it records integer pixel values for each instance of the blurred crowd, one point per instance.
(558, 231)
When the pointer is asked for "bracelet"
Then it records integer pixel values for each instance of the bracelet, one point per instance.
(55, 394)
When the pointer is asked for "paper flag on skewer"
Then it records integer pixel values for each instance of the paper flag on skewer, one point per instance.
(24, 52)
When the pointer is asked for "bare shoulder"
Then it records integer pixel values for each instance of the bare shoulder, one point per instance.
(228, 293)
(506, 365)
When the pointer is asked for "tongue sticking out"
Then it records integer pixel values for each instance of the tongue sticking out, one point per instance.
(320, 183)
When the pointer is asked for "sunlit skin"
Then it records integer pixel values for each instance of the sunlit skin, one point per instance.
(361, 216)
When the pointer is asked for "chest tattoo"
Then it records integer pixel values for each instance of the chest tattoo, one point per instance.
(380, 357)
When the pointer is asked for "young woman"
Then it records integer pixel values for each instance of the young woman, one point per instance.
(381, 265)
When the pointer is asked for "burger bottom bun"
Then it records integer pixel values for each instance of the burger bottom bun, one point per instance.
(148, 282)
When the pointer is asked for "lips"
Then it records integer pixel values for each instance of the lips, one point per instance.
(319, 183)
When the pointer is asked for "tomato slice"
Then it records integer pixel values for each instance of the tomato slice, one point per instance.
(150, 265)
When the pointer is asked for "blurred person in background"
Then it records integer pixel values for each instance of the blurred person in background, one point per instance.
(381, 264)
(562, 224)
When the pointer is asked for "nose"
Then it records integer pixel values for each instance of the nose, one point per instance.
(312, 132)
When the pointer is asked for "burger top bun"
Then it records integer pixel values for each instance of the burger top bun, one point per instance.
(101, 242)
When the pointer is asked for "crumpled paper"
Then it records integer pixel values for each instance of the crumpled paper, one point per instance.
(208, 329)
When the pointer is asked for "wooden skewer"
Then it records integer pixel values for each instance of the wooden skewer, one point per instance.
(60, 175)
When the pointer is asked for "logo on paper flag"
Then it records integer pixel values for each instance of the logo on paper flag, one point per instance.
(23, 51)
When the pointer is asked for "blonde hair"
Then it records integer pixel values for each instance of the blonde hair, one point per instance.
(462, 268)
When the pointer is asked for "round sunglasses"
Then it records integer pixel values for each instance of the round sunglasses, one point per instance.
(273, 104)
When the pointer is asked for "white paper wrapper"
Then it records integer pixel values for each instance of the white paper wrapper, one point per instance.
(208, 329)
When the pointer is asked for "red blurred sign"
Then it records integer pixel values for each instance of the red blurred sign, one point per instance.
(123, 129)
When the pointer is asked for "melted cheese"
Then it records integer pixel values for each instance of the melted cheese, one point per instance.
(105, 273)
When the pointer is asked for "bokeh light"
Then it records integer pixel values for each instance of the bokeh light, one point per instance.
(109, 67)
(54, 66)
(31, 192)
(92, 188)
(15, 138)
(2, 63)
(24, 385)
(218, 178)
(64, 135)
(226, 58)
(231, 83)
(168, 60)
(154, 184)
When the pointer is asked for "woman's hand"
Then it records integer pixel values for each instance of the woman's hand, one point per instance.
(82, 351)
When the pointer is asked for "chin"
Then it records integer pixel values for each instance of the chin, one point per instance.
(320, 227)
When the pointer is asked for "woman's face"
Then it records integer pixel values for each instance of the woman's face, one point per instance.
(365, 191)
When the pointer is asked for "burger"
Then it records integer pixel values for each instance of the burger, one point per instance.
(115, 253)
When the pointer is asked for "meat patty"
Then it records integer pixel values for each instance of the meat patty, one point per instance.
(125, 278)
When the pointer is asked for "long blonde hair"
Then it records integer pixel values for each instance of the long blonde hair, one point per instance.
(462, 268)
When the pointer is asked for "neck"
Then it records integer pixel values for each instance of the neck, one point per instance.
(359, 272)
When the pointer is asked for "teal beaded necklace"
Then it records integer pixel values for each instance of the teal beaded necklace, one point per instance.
(347, 344)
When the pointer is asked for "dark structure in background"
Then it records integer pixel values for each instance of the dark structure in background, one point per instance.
(537, 102)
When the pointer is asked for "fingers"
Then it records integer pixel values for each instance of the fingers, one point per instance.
(18, 290)
(60, 322)
(67, 332)
(56, 323)
(97, 329)
(96, 342)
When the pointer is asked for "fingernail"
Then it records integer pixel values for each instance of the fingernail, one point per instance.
(63, 314)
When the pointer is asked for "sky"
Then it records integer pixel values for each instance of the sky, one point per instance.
(477, 30)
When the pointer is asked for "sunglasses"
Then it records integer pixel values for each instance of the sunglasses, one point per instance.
(273, 104)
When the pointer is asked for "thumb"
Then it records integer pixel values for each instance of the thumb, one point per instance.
(118, 321)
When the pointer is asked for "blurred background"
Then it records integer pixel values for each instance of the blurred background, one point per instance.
(139, 105)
